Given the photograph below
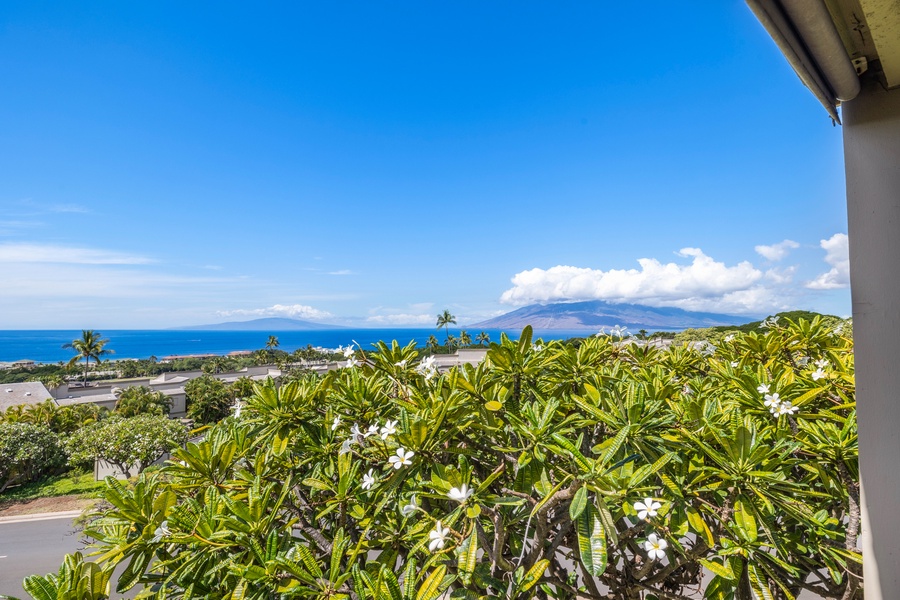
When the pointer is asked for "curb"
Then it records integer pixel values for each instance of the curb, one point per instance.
(69, 514)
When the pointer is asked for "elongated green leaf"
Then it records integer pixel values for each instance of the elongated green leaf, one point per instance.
(698, 524)
(743, 516)
(758, 583)
(579, 502)
(431, 587)
(534, 574)
(465, 562)
(591, 542)
(719, 569)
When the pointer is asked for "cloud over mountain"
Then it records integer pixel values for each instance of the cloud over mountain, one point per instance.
(703, 283)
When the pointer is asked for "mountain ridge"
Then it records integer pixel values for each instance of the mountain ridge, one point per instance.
(596, 314)
(263, 324)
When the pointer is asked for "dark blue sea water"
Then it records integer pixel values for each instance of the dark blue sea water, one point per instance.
(45, 346)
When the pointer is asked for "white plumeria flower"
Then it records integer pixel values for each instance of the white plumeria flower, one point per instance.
(426, 364)
(390, 428)
(354, 431)
(655, 547)
(438, 537)
(537, 347)
(161, 532)
(734, 363)
(352, 362)
(238, 405)
(786, 408)
(763, 388)
(729, 337)
(618, 331)
(818, 374)
(335, 423)
(399, 460)
(349, 351)
(410, 508)
(647, 508)
(345, 446)
(369, 479)
(401, 364)
(460, 494)
(772, 402)
(372, 430)
(822, 363)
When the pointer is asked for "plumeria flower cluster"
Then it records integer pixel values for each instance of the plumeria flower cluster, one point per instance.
(647, 508)
(774, 403)
(655, 547)
(438, 537)
(427, 368)
(819, 373)
(401, 458)
(769, 323)
(460, 494)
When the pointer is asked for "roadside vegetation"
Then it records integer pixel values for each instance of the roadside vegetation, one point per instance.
(609, 469)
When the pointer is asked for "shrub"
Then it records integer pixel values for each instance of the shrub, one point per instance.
(130, 445)
(604, 471)
(27, 453)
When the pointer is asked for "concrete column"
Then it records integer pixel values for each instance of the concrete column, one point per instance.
(872, 161)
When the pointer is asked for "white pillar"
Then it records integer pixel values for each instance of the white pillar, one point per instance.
(872, 160)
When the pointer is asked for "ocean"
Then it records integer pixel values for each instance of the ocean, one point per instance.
(45, 346)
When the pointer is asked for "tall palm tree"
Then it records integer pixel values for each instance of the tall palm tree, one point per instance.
(445, 319)
(89, 346)
(272, 343)
(483, 338)
(464, 338)
(432, 343)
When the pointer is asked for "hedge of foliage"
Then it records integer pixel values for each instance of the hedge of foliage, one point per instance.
(610, 470)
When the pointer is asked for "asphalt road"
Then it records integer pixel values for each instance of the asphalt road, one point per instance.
(33, 547)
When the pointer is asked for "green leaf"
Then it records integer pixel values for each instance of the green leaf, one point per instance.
(591, 542)
(743, 517)
(468, 553)
(698, 524)
(534, 574)
(719, 569)
(758, 583)
(579, 502)
(431, 587)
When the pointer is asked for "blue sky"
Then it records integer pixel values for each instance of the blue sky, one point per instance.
(371, 164)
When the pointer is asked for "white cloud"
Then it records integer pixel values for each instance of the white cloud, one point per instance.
(837, 254)
(294, 311)
(402, 319)
(18, 252)
(68, 208)
(776, 252)
(342, 272)
(704, 282)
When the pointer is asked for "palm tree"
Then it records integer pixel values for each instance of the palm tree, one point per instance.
(464, 338)
(89, 346)
(483, 338)
(272, 343)
(445, 319)
(432, 343)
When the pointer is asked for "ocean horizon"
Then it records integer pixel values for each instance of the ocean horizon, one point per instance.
(45, 346)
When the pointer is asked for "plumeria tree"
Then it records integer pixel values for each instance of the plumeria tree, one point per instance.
(610, 470)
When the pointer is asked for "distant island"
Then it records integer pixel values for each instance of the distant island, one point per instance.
(266, 324)
(597, 314)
